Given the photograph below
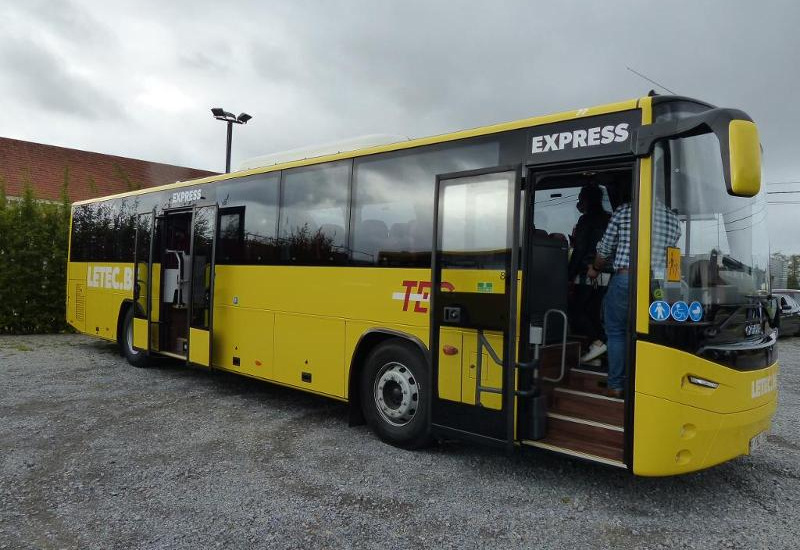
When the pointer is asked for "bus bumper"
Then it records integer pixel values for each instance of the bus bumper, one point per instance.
(671, 438)
(680, 427)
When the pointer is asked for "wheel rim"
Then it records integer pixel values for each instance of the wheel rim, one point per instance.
(396, 392)
(129, 339)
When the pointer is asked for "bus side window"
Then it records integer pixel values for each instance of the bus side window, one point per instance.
(314, 214)
(393, 201)
(248, 219)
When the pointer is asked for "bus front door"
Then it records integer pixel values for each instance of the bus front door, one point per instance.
(473, 308)
(201, 284)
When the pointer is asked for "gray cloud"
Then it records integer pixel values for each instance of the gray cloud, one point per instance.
(36, 74)
(311, 72)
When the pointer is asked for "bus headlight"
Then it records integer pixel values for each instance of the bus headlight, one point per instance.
(703, 382)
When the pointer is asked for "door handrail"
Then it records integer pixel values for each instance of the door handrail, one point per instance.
(479, 388)
(563, 343)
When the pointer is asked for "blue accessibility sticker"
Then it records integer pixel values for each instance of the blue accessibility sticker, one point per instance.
(695, 311)
(659, 310)
(680, 311)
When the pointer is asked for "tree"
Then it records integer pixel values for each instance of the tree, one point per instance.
(33, 262)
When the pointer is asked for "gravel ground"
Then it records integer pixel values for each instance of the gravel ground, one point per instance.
(98, 454)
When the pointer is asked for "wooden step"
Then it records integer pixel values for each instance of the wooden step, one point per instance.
(585, 436)
(587, 380)
(581, 449)
(588, 406)
(550, 358)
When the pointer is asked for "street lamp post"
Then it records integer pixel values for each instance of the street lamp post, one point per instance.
(230, 119)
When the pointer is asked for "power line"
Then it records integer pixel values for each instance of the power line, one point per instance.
(782, 192)
(782, 182)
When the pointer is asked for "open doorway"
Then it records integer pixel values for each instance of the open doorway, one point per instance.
(173, 253)
(565, 295)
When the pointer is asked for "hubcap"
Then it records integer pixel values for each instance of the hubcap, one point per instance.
(129, 339)
(396, 393)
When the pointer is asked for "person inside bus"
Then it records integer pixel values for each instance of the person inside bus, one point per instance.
(615, 249)
(587, 294)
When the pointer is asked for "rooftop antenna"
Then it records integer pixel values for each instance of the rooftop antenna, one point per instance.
(650, 80)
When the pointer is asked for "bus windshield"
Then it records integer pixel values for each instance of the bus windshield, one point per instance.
(707, 246)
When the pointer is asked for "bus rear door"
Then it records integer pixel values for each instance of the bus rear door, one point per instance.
(201, 284)
(473, 308)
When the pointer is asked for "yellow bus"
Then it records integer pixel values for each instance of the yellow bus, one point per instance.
(378, 275)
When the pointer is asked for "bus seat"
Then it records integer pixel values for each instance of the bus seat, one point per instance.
(400, 237)
(373, 236)
(548, 285)
(559, 237)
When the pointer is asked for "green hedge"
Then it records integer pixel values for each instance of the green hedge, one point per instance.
(33, 263)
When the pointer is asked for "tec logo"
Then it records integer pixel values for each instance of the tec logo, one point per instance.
(418, 292)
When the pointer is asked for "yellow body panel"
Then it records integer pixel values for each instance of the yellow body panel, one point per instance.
(140, 333)
(312, 346)
(100, 287)
(450, 366)
(643, 245)
(491, 372)
(680, 427)
(247, 334)
(198, 346)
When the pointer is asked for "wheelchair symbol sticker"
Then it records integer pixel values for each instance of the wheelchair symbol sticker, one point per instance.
(680, 311)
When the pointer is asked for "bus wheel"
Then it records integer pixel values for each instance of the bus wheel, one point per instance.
(135, 357)
(394, 395)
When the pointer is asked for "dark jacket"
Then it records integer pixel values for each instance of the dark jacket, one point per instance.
(585, 236)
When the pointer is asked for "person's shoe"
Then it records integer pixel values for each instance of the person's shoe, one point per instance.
(597, 349)
(616, 394)
(593, 363)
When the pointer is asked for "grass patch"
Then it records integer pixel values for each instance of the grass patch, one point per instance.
(21, 347)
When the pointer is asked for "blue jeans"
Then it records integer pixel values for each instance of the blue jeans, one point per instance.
(615, 312)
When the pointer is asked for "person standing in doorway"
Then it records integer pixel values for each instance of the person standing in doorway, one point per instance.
(615, 249)
(587, 296)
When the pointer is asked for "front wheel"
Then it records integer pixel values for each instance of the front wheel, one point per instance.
(395, 396)
(135, 357)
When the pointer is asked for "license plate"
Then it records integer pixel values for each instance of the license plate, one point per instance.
(753, 329)
(757, 442)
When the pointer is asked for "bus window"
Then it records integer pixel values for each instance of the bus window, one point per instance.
(393, 201)
(314, 214)
(248, 220)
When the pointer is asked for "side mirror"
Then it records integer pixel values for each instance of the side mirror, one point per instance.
(738, 144)
(744, 151)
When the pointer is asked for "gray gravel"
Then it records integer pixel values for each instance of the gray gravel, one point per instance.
(98, 454)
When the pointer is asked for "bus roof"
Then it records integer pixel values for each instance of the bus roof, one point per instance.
(396, 146)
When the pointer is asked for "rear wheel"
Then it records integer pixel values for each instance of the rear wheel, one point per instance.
(395, 397)
(135, 357)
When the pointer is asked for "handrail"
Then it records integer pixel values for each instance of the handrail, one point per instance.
(563, 343)
(484, 343)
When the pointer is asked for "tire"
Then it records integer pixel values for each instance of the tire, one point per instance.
(135, 357)
(395, 397)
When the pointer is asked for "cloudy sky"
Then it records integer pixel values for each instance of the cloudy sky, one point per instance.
(137, 78)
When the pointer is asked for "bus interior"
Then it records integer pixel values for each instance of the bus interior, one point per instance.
(172, 251)
(580, 417)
